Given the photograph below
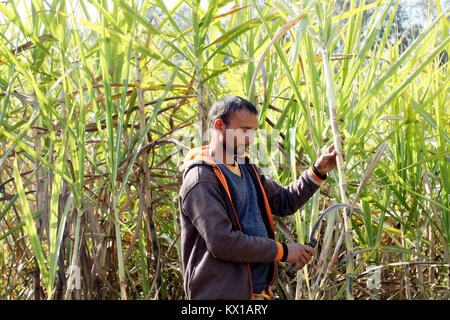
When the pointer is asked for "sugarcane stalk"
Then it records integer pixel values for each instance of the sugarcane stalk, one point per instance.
(348, 230)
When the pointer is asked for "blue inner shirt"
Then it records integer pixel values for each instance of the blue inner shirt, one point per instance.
(245, 201)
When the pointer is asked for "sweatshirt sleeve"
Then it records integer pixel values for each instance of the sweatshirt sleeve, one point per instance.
(286, 200)
(206, 207)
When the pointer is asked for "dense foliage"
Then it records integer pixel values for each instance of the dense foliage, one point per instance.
(98, 107)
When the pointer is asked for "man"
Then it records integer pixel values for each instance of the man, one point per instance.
(226, 205)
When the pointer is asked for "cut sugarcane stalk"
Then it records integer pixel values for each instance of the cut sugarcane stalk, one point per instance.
(341, 172)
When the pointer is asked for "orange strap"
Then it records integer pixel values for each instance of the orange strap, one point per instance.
(314, 175)
(280, 252)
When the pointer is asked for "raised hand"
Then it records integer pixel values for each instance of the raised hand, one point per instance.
(327, 161)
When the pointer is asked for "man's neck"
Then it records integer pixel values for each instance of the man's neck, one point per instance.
(218, 152)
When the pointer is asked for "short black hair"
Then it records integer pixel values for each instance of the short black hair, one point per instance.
(223, 108)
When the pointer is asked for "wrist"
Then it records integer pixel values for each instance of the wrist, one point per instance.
(319, 172)
(285, 252)
(282, 252)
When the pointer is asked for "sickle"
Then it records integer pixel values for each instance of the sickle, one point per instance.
(313, 241)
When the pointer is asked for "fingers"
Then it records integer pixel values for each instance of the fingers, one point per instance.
(305, 254)
(299, 253)
(308, 252)
(330, 155)
(334, 154)
(306, 257)
(309, 249)
(330, 149)
(303, 260)
(331, 152)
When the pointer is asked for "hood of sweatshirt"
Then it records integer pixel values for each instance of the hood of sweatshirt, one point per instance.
(196, 156)
(200, 155)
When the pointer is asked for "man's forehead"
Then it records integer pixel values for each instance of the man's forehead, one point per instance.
(244, 119)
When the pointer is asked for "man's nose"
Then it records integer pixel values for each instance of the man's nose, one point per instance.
(249, 136)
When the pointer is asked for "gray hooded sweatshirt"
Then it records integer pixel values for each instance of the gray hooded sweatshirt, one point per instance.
(216, 254)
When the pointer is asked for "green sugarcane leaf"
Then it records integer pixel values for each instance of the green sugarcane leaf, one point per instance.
(30, 226)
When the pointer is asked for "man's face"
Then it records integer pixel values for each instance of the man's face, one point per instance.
(239, 133)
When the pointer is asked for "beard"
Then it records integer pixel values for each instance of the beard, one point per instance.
(234, 148)
(233, 144)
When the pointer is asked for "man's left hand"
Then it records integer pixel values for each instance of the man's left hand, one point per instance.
(327, 161)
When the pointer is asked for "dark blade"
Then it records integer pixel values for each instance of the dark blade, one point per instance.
(323, 215)
(312, 241)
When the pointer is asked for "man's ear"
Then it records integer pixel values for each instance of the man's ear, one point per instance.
(219, 125)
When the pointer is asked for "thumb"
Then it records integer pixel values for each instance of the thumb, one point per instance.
(329, 155)
(331, 148)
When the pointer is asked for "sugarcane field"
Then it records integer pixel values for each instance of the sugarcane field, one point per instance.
(218, 149)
